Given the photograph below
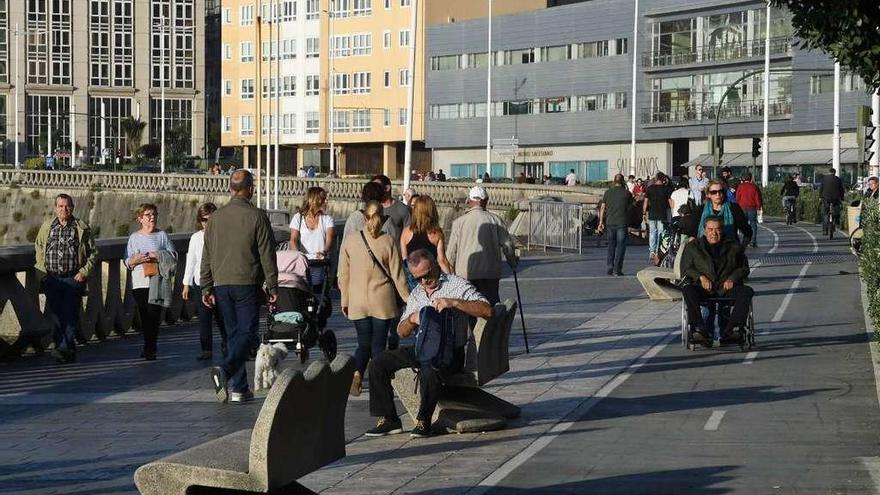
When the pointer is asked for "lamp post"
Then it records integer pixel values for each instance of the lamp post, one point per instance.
(330, 86)
(410, 94)
(490, 59)
(164, 28)
(17, 32)
(635, 68)
(765, 155)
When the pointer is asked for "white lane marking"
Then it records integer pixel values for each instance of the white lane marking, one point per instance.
(560, 279)
(750, 357)
(815, 242)
(794, 285)
(872, 464)
(582, 409)
(715, 420)
(775, 239)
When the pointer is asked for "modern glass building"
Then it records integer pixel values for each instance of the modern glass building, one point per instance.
(562, 86)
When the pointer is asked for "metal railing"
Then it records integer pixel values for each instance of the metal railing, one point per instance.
(744, 109)
(554, 224)
(719, 53)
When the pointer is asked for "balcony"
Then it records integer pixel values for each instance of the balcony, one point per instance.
(705, 114)
(728, 52)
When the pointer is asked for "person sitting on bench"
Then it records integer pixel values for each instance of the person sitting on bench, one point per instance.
(442, 291)
(715, 267)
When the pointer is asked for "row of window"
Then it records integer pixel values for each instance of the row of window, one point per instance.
(343, 84)
(273, 50)
(344, 121)
(535, 106)
(556, 53)
(286, 10)
(824, 83)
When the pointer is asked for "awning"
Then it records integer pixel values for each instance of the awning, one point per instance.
(777, 158)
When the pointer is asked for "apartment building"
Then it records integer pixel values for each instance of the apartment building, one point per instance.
(81, 66)
(287, 62)
(562, 85)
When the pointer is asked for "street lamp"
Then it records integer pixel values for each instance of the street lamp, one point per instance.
(16, 32)
(163, 26)
(330, 85)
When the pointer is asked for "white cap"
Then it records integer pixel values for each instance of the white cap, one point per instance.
(478, 193)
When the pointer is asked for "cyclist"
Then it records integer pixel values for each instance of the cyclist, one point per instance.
(831, 190)
(790, 193)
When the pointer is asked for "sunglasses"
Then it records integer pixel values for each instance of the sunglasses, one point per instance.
(426, 278)
(699, 170)
(715, 191)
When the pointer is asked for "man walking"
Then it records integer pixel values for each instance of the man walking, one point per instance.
(656, 207)
(613, 220)
(65, 255)
(234, 269)
(748, 197)
(476, 242)
(394, 209)
(571, 179)
(699, 182)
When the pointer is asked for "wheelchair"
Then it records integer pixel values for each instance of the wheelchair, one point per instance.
(718, 307)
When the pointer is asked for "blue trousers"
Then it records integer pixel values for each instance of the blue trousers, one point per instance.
(752, 217)
(240, 308)
(616, 246)
(64, 298)
(371, 338)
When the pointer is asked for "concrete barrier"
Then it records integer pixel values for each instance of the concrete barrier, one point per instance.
(301, 428)
(464, 406)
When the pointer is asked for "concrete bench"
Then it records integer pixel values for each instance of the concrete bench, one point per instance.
(301, 428)
(659, 282)
(464, 406)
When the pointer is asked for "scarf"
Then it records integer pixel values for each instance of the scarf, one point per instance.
(725, 214)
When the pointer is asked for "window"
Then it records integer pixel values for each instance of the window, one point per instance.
(111, 52)
(313, 47)
(386, 78)
(227, 124)
(446, 111)
(619, 100)
(521, 107)
(592, 103)
(246, 125)
(288, 123)
(288, 11)
(313, 11)
(340, 46)
(341, 120)
(361, 121)
(362, 7)
(405, 3)
(474, 110)
(227, 87)
(288, 49)
(554, 105)
(555, 53)
(247, 89)
(821, 84)
(268, 125)
(178, 113)
(313, 122)
(401, 119)
(360, 83)
(288, 86)
(387, 4)
(38, 109)
(593, 49)
(313, 84)
(341, 84)
(522, 56)
(227, 51)
(403, 38)
(247, 51)
(340, 8)
(361, 44)
(477, 60)
(620, 47)
(403, 77)
(852, 82)
(172, 61)
(227, 17)
(386, 39)
(445, 62)
(247, 15)
(386, 117)
(270, 87)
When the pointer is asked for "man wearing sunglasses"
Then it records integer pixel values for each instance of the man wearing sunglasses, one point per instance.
(444, 292)
(699, 182)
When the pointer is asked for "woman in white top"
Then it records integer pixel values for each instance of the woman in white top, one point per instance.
(680, 195)
(192, 289)
(311, 230)
(143, 253)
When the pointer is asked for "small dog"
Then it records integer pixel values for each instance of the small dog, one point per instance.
(267, 364)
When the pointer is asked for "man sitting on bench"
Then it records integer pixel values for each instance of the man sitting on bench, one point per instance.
(715, 267)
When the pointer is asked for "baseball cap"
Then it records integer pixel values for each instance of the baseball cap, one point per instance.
(478, 192)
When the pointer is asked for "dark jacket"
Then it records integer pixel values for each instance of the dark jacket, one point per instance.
(740, 222)
(87, 255)
(730, 263)
(831, 189)
(239, 248)
(790, 188)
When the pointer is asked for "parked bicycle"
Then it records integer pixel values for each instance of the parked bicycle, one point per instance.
(670, 243)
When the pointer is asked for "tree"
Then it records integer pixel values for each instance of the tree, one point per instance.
(177, 146)
(847, 30)
(133, 130)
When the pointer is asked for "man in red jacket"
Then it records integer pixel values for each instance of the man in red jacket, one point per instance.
(748, 197)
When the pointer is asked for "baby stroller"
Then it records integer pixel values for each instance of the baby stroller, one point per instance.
(299, 315)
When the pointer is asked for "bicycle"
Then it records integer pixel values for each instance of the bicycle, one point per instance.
(670, 243)
(791, 211)
(828, 223)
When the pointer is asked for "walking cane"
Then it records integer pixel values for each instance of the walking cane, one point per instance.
(521, 317)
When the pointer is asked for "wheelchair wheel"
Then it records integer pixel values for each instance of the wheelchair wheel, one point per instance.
(327, 343)
(750, 329)
(685, 329)
(303, 355)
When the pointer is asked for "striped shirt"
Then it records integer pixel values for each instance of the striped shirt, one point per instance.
(451, 287)
(146, 243)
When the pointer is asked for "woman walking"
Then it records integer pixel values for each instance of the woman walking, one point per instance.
(370, 280)
(192, 289)
(147, 249)
(311, 230)
(424, 232)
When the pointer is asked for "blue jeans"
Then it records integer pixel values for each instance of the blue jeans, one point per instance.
(616, 246)
(240, 307)
(655, 228)
(205, 315)
(752, 217)
(371, 337)
(64, 299)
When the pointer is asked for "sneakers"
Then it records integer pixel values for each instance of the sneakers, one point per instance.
(610, 271)
(205, 356)
(422, 430)
(699, 336)
(241, 397)
(731, 337)
(219, 378)
(356, 384)
(385, 427)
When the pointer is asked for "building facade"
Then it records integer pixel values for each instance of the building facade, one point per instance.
(562, 86)
(82, 66)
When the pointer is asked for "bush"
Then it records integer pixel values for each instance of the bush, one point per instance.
(809, 204)
(122, 230)
(35, 163)
(17, 216)
(35, 194)
(870, 261)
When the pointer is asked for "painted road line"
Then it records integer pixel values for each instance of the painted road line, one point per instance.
(561, 279)
(581, 410)
(794, 285)
(715, 420)
(813, 237)
(750, 357)
(775, 239)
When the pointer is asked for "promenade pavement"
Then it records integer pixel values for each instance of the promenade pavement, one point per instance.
(611, 402)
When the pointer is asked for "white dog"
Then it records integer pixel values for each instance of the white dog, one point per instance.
(267, 365)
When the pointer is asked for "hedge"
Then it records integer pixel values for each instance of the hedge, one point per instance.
(809, 204)
(870, 261)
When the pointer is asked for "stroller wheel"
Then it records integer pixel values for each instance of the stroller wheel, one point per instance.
(303, 355)
(327, 342)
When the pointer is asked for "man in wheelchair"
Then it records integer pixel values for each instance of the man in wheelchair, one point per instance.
(715, 267)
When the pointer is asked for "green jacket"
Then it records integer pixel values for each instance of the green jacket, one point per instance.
(88, 253)
(730, 264)
(239, 248)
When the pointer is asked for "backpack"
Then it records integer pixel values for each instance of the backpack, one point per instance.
(435, 339)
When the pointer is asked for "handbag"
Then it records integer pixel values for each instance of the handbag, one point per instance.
(151, 269)
(400, 302)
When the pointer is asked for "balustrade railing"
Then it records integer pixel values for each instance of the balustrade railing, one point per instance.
(743, 109)
(724, 52)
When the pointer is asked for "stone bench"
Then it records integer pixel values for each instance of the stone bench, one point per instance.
(464, 406)
(301, 427)
(659, 282)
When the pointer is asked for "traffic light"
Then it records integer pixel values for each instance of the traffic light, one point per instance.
(866, 134)
(870, 138)
(756, 147)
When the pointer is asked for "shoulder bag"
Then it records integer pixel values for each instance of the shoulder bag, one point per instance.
(400, 302)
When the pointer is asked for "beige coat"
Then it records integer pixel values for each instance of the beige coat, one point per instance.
(366, 291)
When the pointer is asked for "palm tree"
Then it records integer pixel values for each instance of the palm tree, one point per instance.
(133, 130)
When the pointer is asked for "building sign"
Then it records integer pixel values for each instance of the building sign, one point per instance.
(534, 153)
(646, 166)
